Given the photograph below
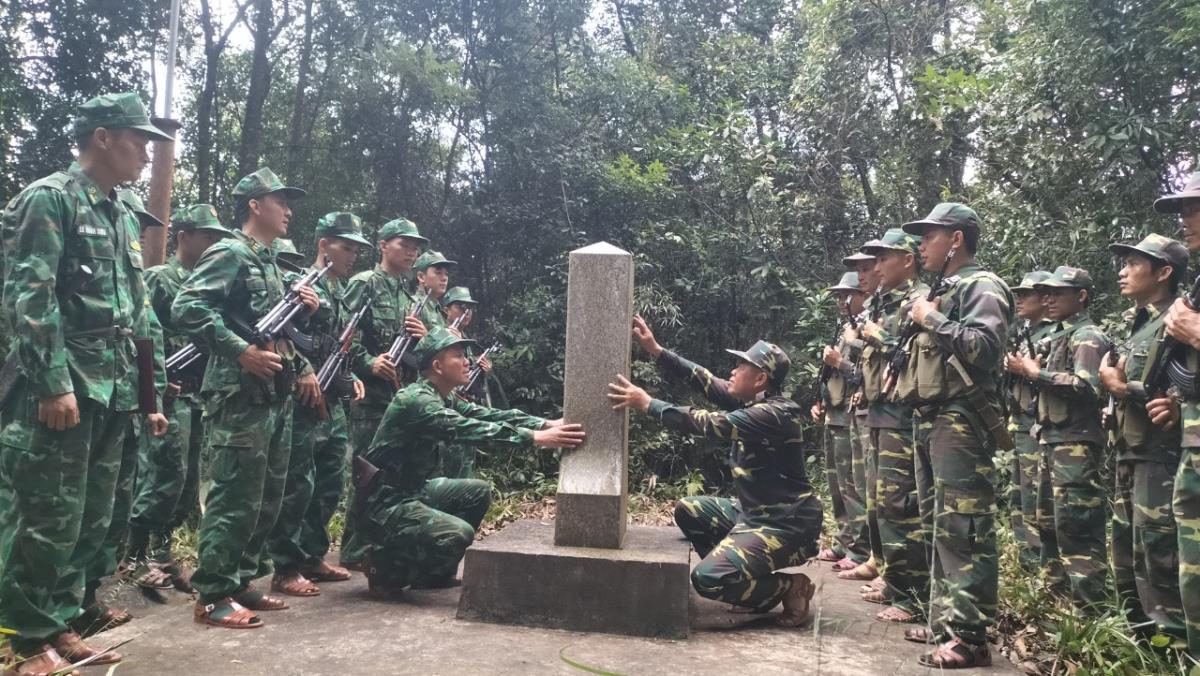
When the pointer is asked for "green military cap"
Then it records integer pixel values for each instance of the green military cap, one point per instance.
(849, 282)
(115, 111)
(1173, 204)
(768, 357)
(430, 259)
(264, 182)
(458, 294)
(1031, 279)
(945, 215)
(895, 239)
(857, 257)
(145, 218)
(198, 217)
(342, 224)
(401, 227)
(1169, 251)
(434, 342)
(289, 255)
(1067, 277)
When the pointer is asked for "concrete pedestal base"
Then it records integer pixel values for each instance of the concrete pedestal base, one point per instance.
(518, 576)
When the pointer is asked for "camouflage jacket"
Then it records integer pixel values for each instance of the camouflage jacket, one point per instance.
(325, 325)
(74, 299)
(880, 346)
(1022, 391)
(419, 423)
(765, 440)
(163, 283)
(845, 378)
(1189, 409)
(391, 301)
(235, 275)
(1070, 380)
(1137, 438)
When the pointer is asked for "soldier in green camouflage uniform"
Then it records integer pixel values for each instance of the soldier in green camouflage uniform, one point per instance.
(458, 460)
(74, 302)
(417, 527)
(1071, 491)
(387, 287)
(905, 568)
(965, 327)
(776, 519)
(320, 433)
(433, 273)
(852, 540)
(248, 400)
(1145, 546)
(168, 468)
(1022, 405)
(1183, 324)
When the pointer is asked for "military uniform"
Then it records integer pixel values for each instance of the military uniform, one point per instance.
(248, 419)
(953, 447)
(905, 567)
(320, 439)
(74, 302)
(458, 460)
(434, 314)
(417, 527)
(776, 519)
(1071, 491)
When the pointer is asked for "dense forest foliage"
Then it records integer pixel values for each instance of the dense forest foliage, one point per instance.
(738, 147)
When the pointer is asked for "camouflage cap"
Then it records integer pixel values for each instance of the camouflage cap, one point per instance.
(429, 259)
(458, 294)
(197, 217)
(145, 218)
(1173, 204)
(342, 224)
(945, 215)
(1169, 251)
(115, 111)
(768, 357)
(849, 282)
(1030, 280)
(434, 342)
(401, 227)
(264, 182)
(289, 256)
(895, 239)
(1066, 277)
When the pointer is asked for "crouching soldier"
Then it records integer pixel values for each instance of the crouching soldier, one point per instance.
(776, 520)
(416, 527)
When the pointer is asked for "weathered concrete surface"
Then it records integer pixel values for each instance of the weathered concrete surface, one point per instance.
(344, 631)
(518, 576)
(593, 479)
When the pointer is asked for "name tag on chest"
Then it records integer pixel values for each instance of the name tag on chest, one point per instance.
(90, 230)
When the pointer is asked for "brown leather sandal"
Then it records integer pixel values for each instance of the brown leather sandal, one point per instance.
(321, 571)
(72, 648)
(874, 596)
(957, 654)
(896, 614)
(253, 599)
(97, 618)
(797, 602)
(225, 613)
(46, 663)
(919, 635)
(845, 563)
(148, 576)
(863, 571)
(828, 554)
(294, 584)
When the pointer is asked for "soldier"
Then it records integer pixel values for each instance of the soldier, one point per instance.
(1145, 546)
(433, 273)
(1183, 324)
(1022, 394)
(905, 568)
(952, 377)
(458, 460)
(853, 546)
(247, 393)
(168, 468)
(418, 527)
(75, 303)
(386, 285)
(776, 519)
(320, 432)
(1071, 492)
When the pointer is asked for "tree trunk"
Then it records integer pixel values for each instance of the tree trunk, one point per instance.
(304, 70)
(260, 85)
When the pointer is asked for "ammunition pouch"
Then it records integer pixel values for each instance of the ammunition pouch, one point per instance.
(364, 477)
(874, 364)
(927, 376)
(837, 390)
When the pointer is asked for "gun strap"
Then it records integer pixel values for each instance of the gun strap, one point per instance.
(996, 428)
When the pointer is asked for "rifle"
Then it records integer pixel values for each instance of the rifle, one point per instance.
(476, 371)
(898, 360)
(1108, 414)
(465, 315)
(1167, 373)
(335, 364)
(826, 369)
(404, 341)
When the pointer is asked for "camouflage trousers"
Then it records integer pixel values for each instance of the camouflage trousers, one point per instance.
(901, 531)
(1023, 498)
(852, 537)
(954, 477)
(1186, 504)
(420, 541)
(1071, 516)
(870, 482)
(1145, 545)
(834, 489)
(247, 457)
(168, 474)
(739, 557)
(315, 477)
(56, 500)
(363, 424)
(113, 549)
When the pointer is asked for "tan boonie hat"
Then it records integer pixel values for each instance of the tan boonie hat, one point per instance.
(1173, 204)
(848, 282)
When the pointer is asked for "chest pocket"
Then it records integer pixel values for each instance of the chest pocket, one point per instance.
(256, 290)
(88, 264)
(873, 366)
(385, 316)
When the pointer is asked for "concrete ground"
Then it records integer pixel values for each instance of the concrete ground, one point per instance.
(344, 631)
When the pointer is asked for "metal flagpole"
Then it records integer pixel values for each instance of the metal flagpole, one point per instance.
(162, 170)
